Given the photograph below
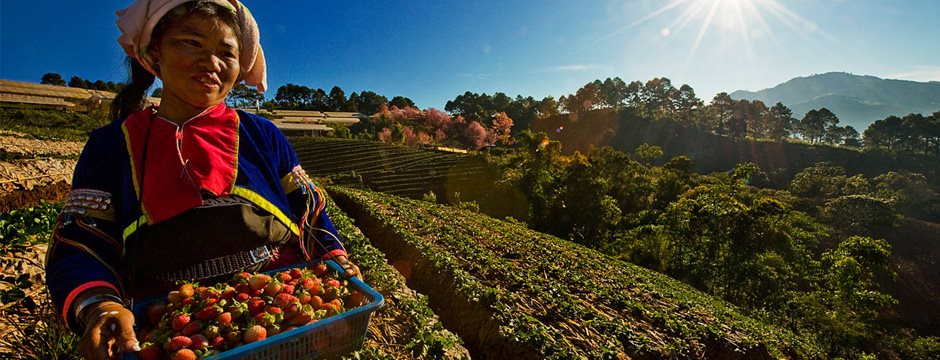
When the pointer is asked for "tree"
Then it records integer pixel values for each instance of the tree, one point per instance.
(401, 102)
(502, 127)
(52, 79)
(477, 136)
(78, 82)
(158, 92)
(648, 153)
(337, 99)
(614, 92)
(370, 102)
(548, 107)
(816, 125)
(687, 104)
(779, 122)
(820, 181)
(353, 103)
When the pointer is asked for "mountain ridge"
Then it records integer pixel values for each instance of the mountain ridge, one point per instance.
(858, 100)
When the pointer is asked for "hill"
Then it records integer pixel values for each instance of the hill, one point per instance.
(511, 292)
(856, 100)
(710, 152)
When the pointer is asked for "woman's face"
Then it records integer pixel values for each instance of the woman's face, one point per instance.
(197, 58)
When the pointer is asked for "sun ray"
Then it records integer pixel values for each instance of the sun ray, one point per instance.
(703, 30)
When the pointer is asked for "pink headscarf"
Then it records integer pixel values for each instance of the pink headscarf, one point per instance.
(138, 20)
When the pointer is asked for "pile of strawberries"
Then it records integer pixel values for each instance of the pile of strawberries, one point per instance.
(198, 321)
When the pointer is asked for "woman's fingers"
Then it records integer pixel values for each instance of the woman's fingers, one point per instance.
(109, 333)
(126, 338)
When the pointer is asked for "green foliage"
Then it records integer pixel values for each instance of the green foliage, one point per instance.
(860, 214)
(561, 299)
(820, 181)
(51, 124)
(648, 153)
(25, 227)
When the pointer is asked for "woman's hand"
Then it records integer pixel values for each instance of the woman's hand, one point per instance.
(350, 268)
(109, 331)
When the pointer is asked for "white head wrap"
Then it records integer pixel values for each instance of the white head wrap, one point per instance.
(138, 20)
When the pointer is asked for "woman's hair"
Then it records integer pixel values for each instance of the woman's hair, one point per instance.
(132, 98)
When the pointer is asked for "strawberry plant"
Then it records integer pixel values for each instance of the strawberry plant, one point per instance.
(545, 297)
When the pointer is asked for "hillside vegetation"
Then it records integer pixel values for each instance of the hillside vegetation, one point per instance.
(511, 292)
(780, 160)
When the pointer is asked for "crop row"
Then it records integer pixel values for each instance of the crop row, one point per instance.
(405, 327)
(550, 298)
(395, 169)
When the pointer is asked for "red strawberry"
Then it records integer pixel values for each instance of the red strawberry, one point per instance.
(188, 301)
(272, 289)
(284, 299)
(317, 289)
(333, 283)
(273, 310)
(307, 283)
(296, 273)
(199, 342)
(242, 277)
(243, 289)
(228, 293)
(192, 328)
(291, 310)
(179, 342)
(284, 276)
(150, 351)
(184, 354)
(208, 313)
(242, 297)
(304, 298)
(265, 319)
(179, 322)
(216, 341)
(224, 318)
(186, 290)
(255, 333)
(287, 289)
(316, 302)
(155, 311)
(256, 293)
(330, 309)
(319, 269)
(255, 306)
(259, 281)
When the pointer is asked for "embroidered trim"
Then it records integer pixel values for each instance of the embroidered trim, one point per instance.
(130, 229)
(94, 203)
(259, 200)
(295, 179)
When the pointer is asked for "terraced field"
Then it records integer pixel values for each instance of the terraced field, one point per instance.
(513, 293)
(393, 169)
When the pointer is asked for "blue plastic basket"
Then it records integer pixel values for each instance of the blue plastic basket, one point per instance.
(332, 337)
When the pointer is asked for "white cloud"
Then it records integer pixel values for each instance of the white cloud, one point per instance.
(918, 73)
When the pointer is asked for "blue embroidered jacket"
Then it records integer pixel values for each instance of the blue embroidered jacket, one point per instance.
(103, 209)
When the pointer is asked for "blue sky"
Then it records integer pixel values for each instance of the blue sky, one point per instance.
(432, 51)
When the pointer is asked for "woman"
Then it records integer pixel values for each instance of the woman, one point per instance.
(188, 190)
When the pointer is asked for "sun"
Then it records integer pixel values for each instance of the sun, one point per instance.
(738, 23)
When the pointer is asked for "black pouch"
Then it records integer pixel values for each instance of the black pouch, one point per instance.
(221, 237)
